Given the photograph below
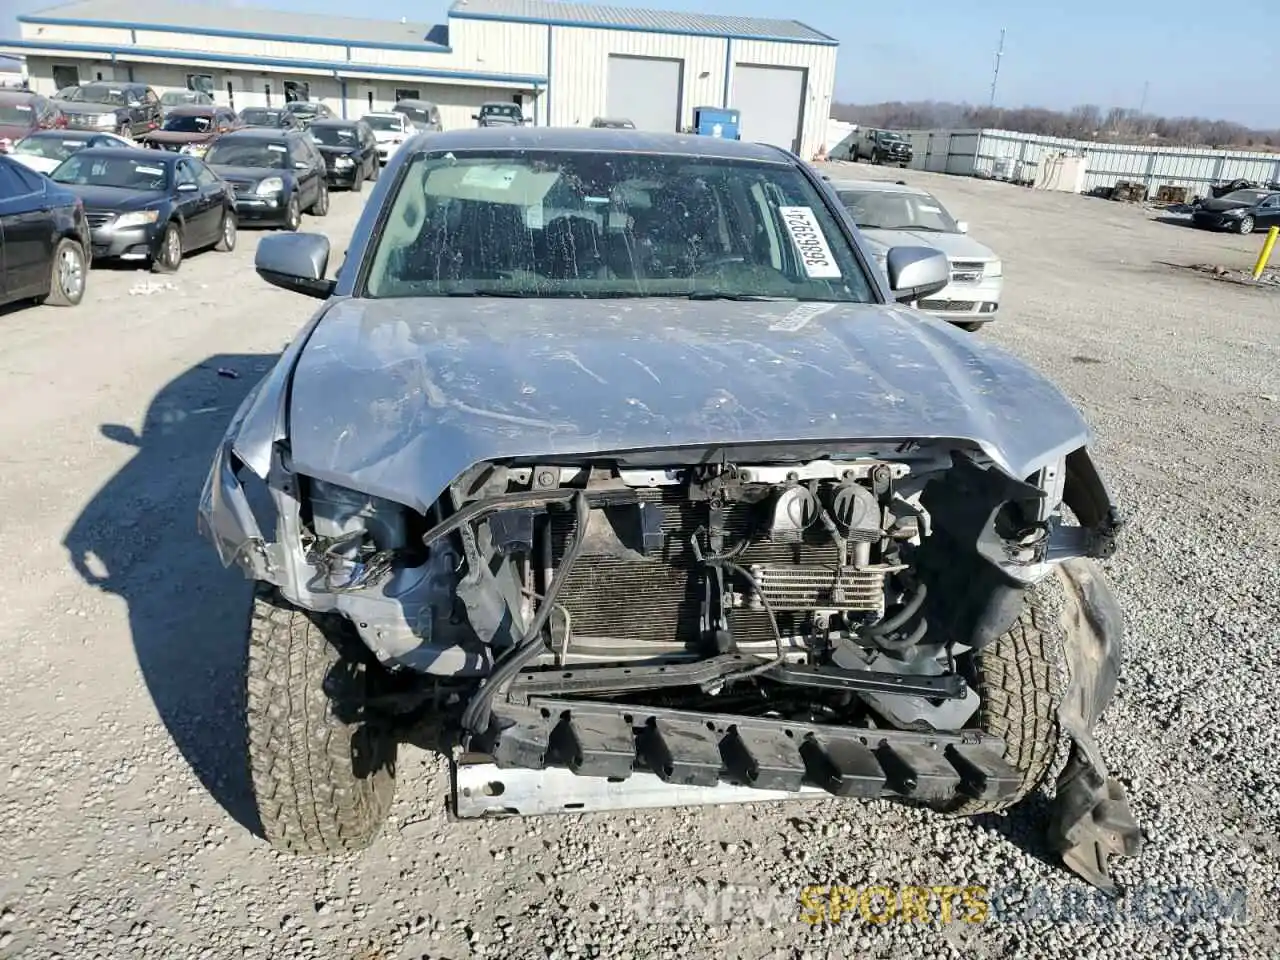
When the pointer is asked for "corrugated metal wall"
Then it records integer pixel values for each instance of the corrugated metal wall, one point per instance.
(580, 64)
(1017, 156)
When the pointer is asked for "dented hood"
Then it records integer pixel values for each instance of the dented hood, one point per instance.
(397, 397)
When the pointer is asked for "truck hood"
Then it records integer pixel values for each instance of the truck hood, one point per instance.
(397, 397)
(118, 199)
(957, 246)
(179, 136)
(85, 107)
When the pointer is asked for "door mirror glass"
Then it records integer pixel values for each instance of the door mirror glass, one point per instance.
(916, 272)
(187, 187)
(296, 262)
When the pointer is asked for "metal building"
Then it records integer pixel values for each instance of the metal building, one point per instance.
(1007, 155)
(565, 62)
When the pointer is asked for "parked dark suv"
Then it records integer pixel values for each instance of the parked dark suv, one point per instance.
(881, 146)
(129, 109)
(277, 175)
(22, 113)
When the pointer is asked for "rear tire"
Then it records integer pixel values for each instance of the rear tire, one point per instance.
(1017, 678)
(323, 777)
(227, 233)
(67, 274)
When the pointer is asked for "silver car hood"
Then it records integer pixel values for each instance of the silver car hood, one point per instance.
(397, 397)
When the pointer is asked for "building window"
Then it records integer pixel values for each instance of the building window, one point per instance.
(369, 93)
(200, 82)
(64, 76)
(266, 89)
(231, 94)
(296, 90)
(405, 93)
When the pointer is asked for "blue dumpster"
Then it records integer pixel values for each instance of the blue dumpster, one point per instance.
(716, 122)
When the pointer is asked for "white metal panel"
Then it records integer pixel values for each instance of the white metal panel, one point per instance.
(771, 103)
(579, 70)
(645, 90)
(818, 61)
(240, 47)
(56, 33)
(487, 46)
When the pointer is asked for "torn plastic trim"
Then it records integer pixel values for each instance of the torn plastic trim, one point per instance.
(227, 521)
(1090, 820)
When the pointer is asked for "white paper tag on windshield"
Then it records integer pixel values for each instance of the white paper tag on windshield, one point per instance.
(277, 148)
(815, 254)
(489, 178)
(150, 171)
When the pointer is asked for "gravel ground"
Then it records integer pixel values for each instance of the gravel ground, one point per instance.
(125, 823)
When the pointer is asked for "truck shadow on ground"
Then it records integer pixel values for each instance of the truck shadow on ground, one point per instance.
(137, 539)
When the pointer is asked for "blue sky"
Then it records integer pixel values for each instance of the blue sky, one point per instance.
(1089, 51)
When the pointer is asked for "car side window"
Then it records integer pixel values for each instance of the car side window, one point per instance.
(204, 176)
(185, 173)
(16, 181)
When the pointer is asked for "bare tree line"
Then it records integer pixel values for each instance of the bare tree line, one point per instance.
(1085, 122)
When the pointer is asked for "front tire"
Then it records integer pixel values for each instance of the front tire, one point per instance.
(293, 214)
(1246, 226)
(323, 777)
(169, 257)
(972, 326)
(1017, 679)
(321, 207)
(67, 274)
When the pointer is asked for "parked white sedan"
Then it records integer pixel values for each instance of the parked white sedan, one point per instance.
(894, 214)
(391, 130)
(43, 150)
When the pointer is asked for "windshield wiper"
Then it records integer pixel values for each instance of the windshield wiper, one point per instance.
(489, 293)
(750, 297)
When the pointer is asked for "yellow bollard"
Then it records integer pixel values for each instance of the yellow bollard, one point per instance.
(1265, 255)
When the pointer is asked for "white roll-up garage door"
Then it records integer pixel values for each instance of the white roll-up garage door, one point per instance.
(646, 91)
(771, 101)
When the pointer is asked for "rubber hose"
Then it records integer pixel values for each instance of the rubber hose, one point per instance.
(893, 623)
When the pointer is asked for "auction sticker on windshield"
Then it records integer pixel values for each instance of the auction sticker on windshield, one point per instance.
(815, 254)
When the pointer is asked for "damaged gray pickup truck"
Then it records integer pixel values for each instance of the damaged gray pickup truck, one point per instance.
(613, 465)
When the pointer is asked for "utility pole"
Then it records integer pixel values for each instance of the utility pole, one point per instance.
(995, 76)
(1142, 107)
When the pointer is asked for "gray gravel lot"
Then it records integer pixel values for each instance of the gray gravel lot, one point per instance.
(124, 802)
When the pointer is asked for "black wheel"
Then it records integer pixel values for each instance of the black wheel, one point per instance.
(67, 274)
(875, 157)
(323, 777)
(375, 168)
(227, 234)
(1246, 225)
(293, 214)
(357, 184)
(169, 254)
(973, 326)
(1017, 679)
(321, 207)
(125, 130)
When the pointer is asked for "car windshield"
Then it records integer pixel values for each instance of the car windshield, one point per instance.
(199, 123)
(51, 148)
(891, 137)
(540, 223)
(894, 210)
(86, 169)
(335, 136)
(1250, 197)
(303, 109)
(385, 123)
(16, 114)
(98, 93)
(414, 113)
(500, 110)
(273, 155)
(258, 117)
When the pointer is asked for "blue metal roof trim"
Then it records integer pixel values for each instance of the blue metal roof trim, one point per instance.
(425, 47)
(334, 66)
(638, 28)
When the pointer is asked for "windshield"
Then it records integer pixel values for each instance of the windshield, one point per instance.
(51, 148)
(258, 117)
(385, 123)
(414, 113)
(97, 93)
(85, 169)
(584, 224)
(336, 136)
(189, 124)
(303, 108)
(19, 114)
(500, 110)
(891, 137)
(893, 210)
(1250, 197)
(175, 97)
(249, 153)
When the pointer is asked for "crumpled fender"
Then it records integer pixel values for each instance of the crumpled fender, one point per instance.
(1090, 819)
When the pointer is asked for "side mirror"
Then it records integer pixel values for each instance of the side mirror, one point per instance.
(301, 165)
(187, 188)
(296, 262)
(962, 226)
(914, 272)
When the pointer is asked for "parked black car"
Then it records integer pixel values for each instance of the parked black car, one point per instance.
(129, 109)
(44, 239)
(499, 113)
(881, 146)
(270, 117)
(308, 111)
(350, 151)
(1241, 211)
(277, 175)
(150, 206)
